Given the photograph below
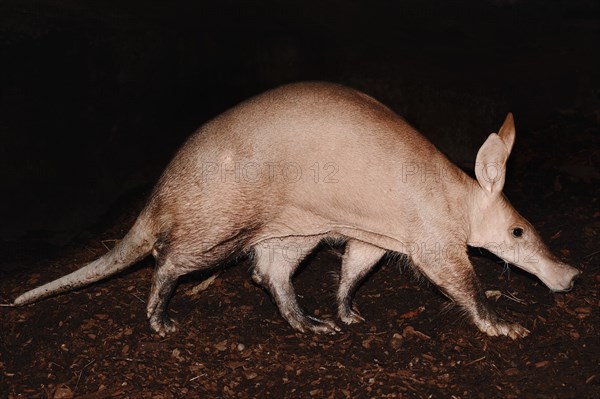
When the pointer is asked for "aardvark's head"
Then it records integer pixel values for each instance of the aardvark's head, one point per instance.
(496, 226)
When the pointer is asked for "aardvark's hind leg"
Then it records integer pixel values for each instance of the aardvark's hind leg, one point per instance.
(276, 261)
(359, 258)
(164, 281)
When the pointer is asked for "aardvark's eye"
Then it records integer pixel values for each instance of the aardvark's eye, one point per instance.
(517, 232)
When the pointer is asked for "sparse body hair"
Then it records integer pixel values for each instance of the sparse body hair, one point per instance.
(282, 171)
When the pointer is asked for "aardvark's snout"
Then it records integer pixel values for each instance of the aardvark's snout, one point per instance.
(561, 278)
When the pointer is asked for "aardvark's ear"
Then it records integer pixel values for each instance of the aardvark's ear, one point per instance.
(490, 165)
(507, 132)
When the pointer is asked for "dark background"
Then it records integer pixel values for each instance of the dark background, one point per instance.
(95, 97)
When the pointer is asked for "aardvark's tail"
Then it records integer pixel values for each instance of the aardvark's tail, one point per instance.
(136, 245)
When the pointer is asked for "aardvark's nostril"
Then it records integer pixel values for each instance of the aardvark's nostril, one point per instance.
(572, 283)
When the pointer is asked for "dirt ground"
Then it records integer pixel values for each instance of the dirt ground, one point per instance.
(85, 84)
(231, 342)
